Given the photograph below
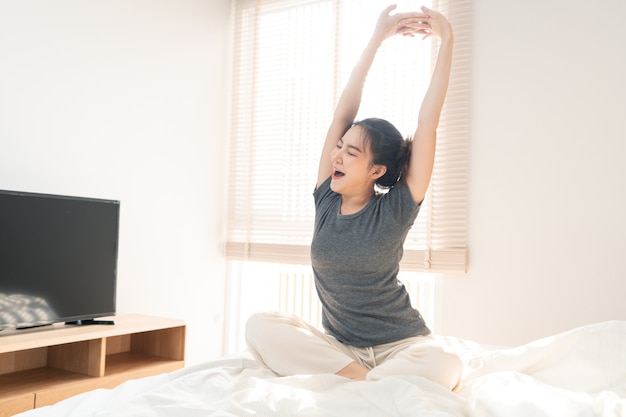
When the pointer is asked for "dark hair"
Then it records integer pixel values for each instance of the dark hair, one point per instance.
(388, 148)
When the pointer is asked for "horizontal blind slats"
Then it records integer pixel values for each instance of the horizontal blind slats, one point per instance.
(441, 260)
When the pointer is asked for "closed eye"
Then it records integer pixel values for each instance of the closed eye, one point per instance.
(351, 148)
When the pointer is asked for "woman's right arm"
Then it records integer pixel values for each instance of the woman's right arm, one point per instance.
(350, 99)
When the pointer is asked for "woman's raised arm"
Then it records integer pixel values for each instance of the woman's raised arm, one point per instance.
(423, 147)
(350, 99)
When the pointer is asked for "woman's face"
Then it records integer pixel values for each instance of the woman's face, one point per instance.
(353, 171)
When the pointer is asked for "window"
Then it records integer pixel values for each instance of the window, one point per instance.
(292, 59)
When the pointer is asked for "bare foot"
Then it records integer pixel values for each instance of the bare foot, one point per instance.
(354, 371)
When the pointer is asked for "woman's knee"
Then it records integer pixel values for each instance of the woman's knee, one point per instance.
(269, 328)
(452, 367)
(259, 340)
(441, 366)
(258, 326)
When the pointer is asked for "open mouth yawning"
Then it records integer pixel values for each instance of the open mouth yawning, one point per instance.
(338, 174)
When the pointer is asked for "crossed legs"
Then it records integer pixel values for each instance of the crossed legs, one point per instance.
(288, 346)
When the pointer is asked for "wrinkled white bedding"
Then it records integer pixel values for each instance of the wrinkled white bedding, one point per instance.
(578, 373)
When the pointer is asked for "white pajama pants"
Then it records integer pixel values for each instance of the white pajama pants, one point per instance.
(288, 346)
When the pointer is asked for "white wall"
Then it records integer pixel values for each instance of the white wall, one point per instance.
(124, 99)
(547, 179)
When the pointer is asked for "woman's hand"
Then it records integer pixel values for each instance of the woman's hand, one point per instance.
(438, 24)
(407, 24)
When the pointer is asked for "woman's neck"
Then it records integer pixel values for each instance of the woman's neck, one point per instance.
(354, 204)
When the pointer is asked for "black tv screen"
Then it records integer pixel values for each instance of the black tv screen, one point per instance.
(58, 258)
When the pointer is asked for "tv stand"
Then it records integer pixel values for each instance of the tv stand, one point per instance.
(89, 322)
(41, 366)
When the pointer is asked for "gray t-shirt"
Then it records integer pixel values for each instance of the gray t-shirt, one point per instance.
(355, 260)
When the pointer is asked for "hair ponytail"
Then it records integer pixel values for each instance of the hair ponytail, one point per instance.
(404, 157)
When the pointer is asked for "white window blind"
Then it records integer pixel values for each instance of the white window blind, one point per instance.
(292, 59)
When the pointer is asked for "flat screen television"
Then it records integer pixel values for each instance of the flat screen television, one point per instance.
(58, 259)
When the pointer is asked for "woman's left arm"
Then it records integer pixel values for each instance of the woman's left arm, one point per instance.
(423, 147)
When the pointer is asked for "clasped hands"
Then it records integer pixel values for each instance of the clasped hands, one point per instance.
(427, 23)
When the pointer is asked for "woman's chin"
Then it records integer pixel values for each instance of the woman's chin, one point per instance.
(335, 185)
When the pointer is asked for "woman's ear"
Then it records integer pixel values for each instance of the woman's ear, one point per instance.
(378, 171)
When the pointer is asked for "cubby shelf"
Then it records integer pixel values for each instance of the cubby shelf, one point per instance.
(42, 366)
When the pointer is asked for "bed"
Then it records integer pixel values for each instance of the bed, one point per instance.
(581, 372)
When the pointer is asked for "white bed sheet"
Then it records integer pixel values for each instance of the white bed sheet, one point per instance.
(578, 373)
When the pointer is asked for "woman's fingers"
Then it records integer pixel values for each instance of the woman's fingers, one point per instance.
(413, 27)
(411, 23)
(388, 9)
(426, 22)
(439, 24)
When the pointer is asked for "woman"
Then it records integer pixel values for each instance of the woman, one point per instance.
(371, 330)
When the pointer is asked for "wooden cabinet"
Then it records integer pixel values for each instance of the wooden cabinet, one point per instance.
(42, 366)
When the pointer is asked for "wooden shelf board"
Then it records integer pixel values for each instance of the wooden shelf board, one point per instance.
(50, 385)
(125, 362)
(118, 370)
(14, 340)
(33, 380)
